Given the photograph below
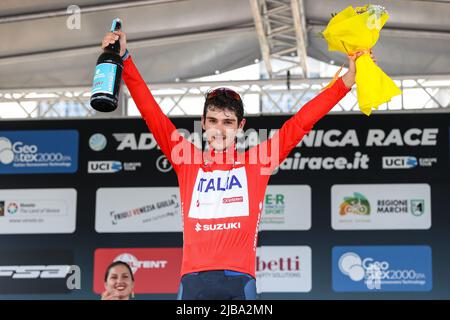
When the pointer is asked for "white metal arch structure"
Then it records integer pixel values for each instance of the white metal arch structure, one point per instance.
(188, 39)
(431, 93)
(281, 29)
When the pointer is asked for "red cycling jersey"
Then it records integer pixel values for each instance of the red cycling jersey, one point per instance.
(221, 200)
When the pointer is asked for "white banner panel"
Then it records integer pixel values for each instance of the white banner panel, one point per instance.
(286, 207)
(381, 207)
(37, 211)
(138, 210)
(283, 269)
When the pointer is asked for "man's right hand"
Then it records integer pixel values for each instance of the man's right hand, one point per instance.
(112, 37)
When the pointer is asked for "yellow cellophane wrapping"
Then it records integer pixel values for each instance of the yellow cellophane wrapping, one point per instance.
(350, 32)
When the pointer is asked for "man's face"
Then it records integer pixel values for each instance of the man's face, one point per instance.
(221, 128)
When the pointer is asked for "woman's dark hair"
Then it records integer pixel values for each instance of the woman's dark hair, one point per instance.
(118, 263)
(224, 99)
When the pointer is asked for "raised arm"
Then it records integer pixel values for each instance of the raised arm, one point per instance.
(273, 151)
(165, 133)
(280, 145)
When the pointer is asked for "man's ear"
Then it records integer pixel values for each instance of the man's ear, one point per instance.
(242, 124)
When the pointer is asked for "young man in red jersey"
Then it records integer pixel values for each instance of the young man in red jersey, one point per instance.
(222, 189)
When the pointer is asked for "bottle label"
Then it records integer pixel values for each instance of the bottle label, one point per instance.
(115, 24)
(104, 78)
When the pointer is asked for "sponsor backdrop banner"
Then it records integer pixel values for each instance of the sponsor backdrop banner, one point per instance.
(138, 210)
(40, 151)
(38, 271)
(155, 270)
(29, 211)
(359, 206)
(382, 268)
(381, 206)
(283, 269)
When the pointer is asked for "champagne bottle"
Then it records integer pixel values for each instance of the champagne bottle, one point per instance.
(108, 76)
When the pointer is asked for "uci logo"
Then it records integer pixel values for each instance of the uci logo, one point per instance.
(104, 166)
(399, 162)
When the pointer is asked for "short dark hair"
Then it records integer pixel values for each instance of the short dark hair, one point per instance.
(118, 263)
(224, 99)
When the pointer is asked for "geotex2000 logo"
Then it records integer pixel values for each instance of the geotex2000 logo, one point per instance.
(382, 268)
(54, 151)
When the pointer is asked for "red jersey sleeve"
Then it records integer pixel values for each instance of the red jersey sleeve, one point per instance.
(164, 131)
(280, 145)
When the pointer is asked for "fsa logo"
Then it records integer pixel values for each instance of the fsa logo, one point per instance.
(217, 226)
(34, 272)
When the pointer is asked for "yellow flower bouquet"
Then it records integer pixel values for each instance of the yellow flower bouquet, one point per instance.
(357, 30)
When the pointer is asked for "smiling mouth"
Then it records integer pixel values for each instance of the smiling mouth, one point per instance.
(120, 288)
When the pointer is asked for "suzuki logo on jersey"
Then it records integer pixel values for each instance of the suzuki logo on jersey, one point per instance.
(220, 194)
(217, 184)
(217, 226)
